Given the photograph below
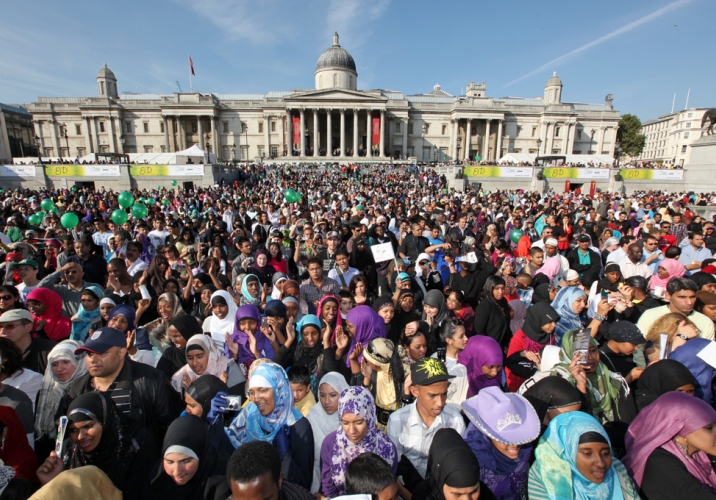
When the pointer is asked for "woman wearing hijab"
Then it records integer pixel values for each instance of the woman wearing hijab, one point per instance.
(484, 362)
(98, 437)
(668, 448)
(501, 432)
(667, 269)
(574, 460)
(358, 433)
(329, 313)
(15, 451)
(202, 356)
(121, 317)
(270, 416)
(404, 311)
(324, 418)
(180, 330)
(519, 310)
(46, 307)
(190, 467)
(547, 273)
(250, 291)
(543, 293)
(659, 378)
(198, 398)
(703, 372)
(223, 312)
(169, 307)
(492, 316)
(385, 308)
(453, 471)
(63, 368)
(247, 326)
(569, 304)
(261, 267)
(436, 315)
(522, 359)
(552, 396)
(363, 325)
(303, 347)
(86, 319)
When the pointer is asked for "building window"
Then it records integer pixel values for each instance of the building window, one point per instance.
(427, 128)
(579, 134)
(146, 127)
(534, 131)
(350, 81)
(81, 152)
(397, 127)
(129, 149)
(78, 129)
(443, 154)
(244, 127)
(555, 151)
(262, 150)
(683, 149)
(533, 151)
(161, 127)
(128, 127)
(686, 135)
(426, 154)
(444, 129)
(225, 127)
(518, 130)
(557, 131)
(517, 150)
(244, 153)
(261, 127)
(194, 128)
(688, 124)
(105, 149)
(473, 132)
(410, 129)
(273, 126)
(64, 152)
(163, 149)
(691, 115)
(274, 151)
(148, 149)
(101, 126)
(335, 80)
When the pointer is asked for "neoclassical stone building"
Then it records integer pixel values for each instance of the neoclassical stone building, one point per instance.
(335, 121)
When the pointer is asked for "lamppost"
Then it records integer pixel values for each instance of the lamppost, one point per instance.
(435, 155)
(425, 131)
(233, 154)
(539, 147)
(67, 140)
(458, 149)
(14, 130)
(619, 154)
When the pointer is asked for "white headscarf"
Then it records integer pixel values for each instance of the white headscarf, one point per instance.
(323, 424)
(218, 364)
(225, 325)
(48, 399)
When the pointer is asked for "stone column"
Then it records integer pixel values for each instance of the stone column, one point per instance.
(214, 143)
(329, 133)
(289, 132)
(381, 153)
(571, 140)
(486, 144)
(315, 132)
(90, 142)
(455, 135)
(267, 136)
(368, 138)
(343, 132)
(405, 136)
(200, 130)
(166, 134)
(600, 140)
(55, 139)
(565, 141)
(498, 148)
(303, 135)
(468, 138)
(180, 140)
(97, 148)
(355, 133)
(543, 136)
(112, 135)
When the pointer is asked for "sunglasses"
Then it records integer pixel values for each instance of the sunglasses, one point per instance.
(6, 297)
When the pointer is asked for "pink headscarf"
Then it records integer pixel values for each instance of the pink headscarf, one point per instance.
(551, 268)
(672, 414)
(480, 351)
(675, 269)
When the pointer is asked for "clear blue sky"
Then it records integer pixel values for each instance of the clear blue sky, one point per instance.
(642, 51)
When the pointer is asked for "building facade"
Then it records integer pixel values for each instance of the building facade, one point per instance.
(16, 133)
(669, 137)
(333, 122)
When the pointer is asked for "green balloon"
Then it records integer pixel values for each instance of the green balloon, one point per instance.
(150, 201)
(55, 210)
(69, 220)
(125, 199)
(73, 189)
(47, 204)
(165, 202)
(119, 217)
(139, 210)
(515, 235)
(159, 188)
(174, 183)
(34, 220)
(292, 196)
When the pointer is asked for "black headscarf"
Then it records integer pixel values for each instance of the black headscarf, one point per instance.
(203, 390)
(378, 304)
(115, 450)
(539, 315)
(605, 284)
(541, 294)
(210, 479)
(551, 392)
(186, 325)
(659, 378)
(451, 461)
(701, 278)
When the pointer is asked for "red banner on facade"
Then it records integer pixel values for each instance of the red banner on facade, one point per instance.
(567, 186)
(592, 188)
(296, 126)
(376, 132)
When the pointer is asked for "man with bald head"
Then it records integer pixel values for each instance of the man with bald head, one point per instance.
(632, 264)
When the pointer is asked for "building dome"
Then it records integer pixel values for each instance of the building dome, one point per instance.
(554, 80)
(105, 72)
(336, 57)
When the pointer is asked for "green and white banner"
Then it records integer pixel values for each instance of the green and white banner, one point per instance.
(646, 174)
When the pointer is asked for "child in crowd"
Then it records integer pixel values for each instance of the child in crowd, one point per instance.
(369, 474)
(88, 315)
(347, 302)
(300, 381)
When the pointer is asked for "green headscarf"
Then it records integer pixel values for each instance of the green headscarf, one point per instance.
(603, 386)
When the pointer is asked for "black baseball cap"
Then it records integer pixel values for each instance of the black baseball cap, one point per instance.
(102, 340)
(625, 331)
(583, 238)
(429, 371)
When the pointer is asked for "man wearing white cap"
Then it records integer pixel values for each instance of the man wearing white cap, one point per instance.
(550, 252)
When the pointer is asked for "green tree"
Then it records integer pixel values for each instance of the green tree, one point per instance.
(631, 139)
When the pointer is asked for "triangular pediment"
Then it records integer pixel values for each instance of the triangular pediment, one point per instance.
(337, 95)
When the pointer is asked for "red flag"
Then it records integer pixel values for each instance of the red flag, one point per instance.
(191, 66)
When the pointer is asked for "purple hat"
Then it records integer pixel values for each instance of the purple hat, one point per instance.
(505, 417)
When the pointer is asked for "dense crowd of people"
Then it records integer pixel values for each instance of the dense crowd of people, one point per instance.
(313, 333)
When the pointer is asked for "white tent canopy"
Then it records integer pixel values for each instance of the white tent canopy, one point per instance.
(196, 154)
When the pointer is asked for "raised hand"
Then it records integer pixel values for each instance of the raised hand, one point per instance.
(233, 346)
(290, 332)
(50, 468)
(357, 351)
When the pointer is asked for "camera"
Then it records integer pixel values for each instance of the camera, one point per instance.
(233, 403)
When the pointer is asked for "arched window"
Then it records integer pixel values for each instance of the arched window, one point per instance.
(335, 80)
(320, 81)
(101, 88)
(350, 82)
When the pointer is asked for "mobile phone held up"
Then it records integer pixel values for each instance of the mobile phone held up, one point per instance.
(442, 354)
(581, 345)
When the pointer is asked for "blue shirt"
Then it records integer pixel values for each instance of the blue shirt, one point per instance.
(654, 265)
(689, 254)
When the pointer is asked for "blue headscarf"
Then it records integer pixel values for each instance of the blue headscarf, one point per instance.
(82, 321)
(308, 319)
(250, 425)
(247, 298)
(141, 336)
(556, 461)
(703, 372)
(568, 319)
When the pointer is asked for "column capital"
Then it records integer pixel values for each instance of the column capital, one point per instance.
(356, 110)
(342, 110)
(382, 111)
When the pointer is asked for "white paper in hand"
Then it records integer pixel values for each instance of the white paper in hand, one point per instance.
(708, 354)
(383, 252)
(219, 339)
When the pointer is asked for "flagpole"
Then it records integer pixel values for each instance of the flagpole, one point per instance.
(191, 87)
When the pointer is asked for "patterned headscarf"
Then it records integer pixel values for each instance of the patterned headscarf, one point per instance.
(358, 401)
(250, 425)
(218, 364)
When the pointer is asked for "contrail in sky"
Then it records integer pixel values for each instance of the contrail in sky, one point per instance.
(624, 29)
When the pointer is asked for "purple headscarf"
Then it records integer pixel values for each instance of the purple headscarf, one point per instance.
(369, 325)
(672, 414)
(480, 351)
(265, 269)
(262, 343)
(358, 401)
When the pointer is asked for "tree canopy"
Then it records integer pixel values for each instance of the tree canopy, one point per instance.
(631, 139)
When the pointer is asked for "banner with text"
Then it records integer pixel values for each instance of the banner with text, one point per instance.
(82, 170)
(376, 131)
(645, 174)
(296, 124)
(515, 172)
(17, 171)
(165, 170)
(576, 173)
